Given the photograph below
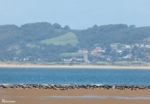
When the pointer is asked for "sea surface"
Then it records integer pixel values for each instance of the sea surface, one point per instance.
(74, 76)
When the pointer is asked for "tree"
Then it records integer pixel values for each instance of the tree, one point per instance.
(67, 27)
(56, 26)
(132, 26)
(108, 50)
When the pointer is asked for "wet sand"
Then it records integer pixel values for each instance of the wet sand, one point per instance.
(75, 96)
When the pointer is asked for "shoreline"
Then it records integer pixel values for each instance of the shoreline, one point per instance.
(73, 66)
(73, 86)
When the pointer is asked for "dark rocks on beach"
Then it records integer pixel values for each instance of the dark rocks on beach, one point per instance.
(70, 87)
(3, 86)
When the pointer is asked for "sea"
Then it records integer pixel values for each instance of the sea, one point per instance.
(77, 76)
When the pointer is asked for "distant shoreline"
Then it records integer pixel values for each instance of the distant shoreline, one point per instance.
(73, 66)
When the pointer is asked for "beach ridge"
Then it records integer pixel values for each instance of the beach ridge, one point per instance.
(73, 66)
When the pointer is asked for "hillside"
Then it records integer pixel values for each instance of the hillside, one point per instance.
(108, 34)
(51, 42)
(68, 38)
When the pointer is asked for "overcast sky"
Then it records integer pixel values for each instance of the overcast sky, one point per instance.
(78, 14)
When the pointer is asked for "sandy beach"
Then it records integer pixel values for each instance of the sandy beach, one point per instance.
(4, 65)
(75, 96)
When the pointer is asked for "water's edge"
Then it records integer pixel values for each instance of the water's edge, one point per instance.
(69, 86)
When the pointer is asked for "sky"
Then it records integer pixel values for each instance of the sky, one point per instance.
(78, 14)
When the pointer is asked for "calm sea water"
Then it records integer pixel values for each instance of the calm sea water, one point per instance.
(74, 76)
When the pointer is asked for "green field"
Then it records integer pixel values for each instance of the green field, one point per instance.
(33, 46)
(69, 38)
(75, 54)
(18, 51)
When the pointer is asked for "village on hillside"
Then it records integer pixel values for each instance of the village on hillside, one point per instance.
(116, 52)
(112, 53)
